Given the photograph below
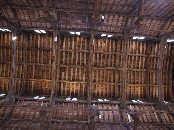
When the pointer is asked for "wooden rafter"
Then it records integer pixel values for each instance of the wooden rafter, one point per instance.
(8, 22)
(162, 1)
(84, 11)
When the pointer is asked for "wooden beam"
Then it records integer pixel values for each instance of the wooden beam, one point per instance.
(87, 32)
(140, 12)
(56, 47)
(136, 121)
(82, 11)
(10, 96)
(89, 82)
(96, 16)
(159, 68)
(147, 65)
(43, 120)
(24, 75)
(54, 73)
(170, 75)
(117, 74)
(91, 44)
(124, 74)
(13, 12)
(58, 60)
(133, 26)
(162, 1)
(8, 22)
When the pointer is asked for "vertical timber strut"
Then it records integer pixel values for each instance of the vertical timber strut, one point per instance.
(171, 69)
(124, 78)
(159, 69)
(53, 88)
(147, 64)
(22, 88)
(10, 96)
(90, 67)
(140, 11)
(90, 76)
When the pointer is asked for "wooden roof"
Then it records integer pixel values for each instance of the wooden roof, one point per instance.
(29, 114)
(143, 17)
(89, 68)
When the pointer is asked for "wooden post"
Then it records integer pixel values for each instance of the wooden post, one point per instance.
(136, 121)
(10, 96)
(147, 64)
(159, 69)
(124, 78)
(22, 87)
(141, 11)
(58, 61)
(89, 87)
(116, 74)
(170, 75)
(54, 58)
(90, 68)
(43, 120)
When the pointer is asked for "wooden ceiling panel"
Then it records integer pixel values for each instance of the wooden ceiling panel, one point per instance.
(161, 9)
(32, 2)
(117, 13)
(169, 12)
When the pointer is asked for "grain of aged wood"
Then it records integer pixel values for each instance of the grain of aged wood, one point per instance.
(11, 93)
(124, 74)
(54, 62)
(90, 60)
(94, 68)
(147, 64)
(170, 73)
(159, 68)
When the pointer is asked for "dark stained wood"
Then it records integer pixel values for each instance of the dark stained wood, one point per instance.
(58, 60)
(170, 75)
(54, 74)
(136, 122)
(21, 88)
(91, 44)
(11, 95)
(8, 22)
(90, 84)
(13, 12)
(140, 12)
(43, 120)
(159, 68)
(124, 74)
(147, 65)
(163, 1)
(117, 75)
(80, 11)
